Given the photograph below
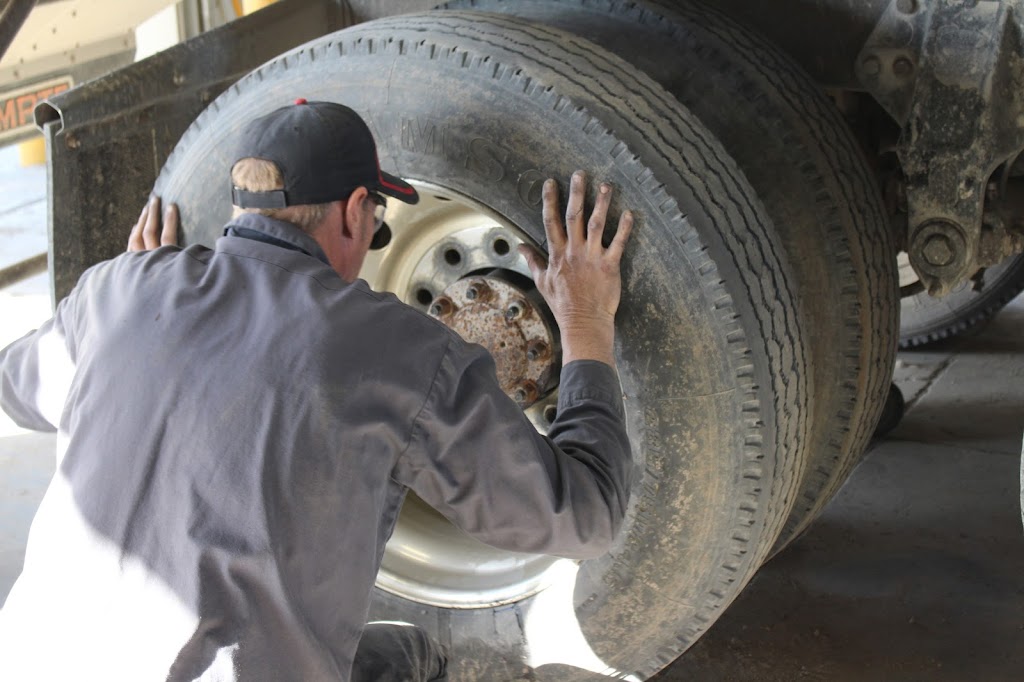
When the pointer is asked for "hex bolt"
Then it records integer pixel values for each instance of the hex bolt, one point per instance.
(938, 251)
(872, 65)
(903, 67)
(441, 307)
(536, 350)
(906, 6)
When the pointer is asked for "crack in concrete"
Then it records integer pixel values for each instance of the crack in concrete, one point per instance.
(929, 382)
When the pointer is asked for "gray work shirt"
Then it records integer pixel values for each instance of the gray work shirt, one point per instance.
(237, 431)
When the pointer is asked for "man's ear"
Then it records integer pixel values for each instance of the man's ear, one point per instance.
(354, 210)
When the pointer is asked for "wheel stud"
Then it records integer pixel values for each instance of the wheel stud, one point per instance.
(525, 393)
(514, 311)
(536, 350)
(478, 291)
(441, 307)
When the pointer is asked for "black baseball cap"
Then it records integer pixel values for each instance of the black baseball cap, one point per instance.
(324, 151)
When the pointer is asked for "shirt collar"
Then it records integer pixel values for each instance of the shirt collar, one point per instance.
(278, 232)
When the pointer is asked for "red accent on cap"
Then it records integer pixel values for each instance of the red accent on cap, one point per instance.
(389, 185)
(396, 188)
(301, 100)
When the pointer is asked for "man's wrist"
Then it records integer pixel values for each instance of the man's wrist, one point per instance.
(590, 342)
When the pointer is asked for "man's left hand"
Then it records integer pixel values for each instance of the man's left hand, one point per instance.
(147, 234)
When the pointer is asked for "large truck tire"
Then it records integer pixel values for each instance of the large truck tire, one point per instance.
(925, 319)
(794, 147)
(478, 110)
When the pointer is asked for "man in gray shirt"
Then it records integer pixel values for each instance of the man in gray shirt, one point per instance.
(238, 427)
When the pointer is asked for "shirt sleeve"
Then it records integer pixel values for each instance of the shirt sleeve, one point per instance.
(475, 457)
(36, 373)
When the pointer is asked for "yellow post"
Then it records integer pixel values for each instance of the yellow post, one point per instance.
(250, 6)
(33, 152)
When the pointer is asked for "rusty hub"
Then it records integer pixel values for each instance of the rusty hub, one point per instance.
(504, 319)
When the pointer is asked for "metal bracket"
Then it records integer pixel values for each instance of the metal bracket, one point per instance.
(107, 139)
(950, 73)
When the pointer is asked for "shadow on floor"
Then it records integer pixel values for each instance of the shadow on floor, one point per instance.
(916, 570)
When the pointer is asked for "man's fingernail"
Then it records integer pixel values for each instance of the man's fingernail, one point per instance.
(605, 189)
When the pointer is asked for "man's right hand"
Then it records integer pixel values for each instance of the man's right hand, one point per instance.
(580, 280)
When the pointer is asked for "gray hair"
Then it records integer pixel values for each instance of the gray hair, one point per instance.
(260, 175)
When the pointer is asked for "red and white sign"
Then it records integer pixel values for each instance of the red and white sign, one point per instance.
(16, 106)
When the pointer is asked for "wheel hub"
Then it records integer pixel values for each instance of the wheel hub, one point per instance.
(509, 322)
(456, 259)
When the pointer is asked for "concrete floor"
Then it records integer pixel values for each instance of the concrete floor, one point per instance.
(914, 572)
(26, 458)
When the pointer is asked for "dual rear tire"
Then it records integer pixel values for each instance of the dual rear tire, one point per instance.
(721, 351)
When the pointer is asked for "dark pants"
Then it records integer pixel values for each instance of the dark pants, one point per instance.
(394, 652)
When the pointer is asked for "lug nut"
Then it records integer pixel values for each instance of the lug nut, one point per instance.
(478, 291)
(536, 350)
(514, 311)
(525, 392)
(441, 307)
